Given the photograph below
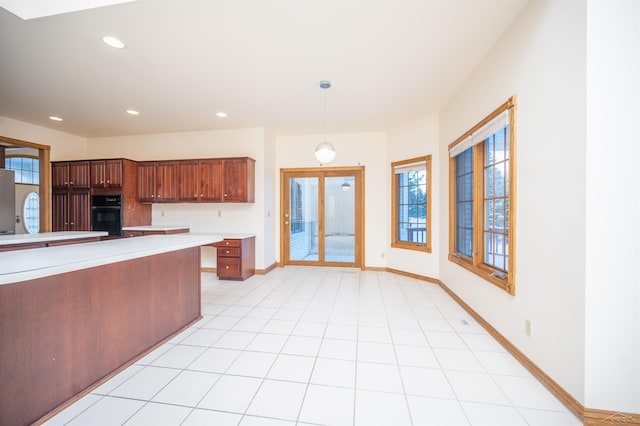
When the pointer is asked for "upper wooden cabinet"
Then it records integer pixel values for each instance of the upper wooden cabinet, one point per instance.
(238, 180)
(210, 180)
(200, 181)
(70, 175)
(157, 182)
(106, 173)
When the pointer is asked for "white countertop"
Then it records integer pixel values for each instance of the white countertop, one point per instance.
(153, 228)
(232, 235)
(44, 237)
(23, 265)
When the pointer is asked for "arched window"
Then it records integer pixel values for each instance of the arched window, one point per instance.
(31, 213)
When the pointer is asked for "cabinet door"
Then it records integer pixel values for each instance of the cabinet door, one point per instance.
(166, 183)
(79, 211)
(113, 173)
(188, 185)
(238, 180)
(146, 182)
(60, 211)
(97, 174)
(60, 175)
(79, 174)
(210, 180)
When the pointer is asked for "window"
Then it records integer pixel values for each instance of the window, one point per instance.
(481, 198)
(26, 169)
(411, 215)
(31, 213)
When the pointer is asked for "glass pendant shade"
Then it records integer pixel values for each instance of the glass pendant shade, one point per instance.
(325, 153)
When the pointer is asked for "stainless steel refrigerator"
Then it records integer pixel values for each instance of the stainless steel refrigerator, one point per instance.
(7, 202)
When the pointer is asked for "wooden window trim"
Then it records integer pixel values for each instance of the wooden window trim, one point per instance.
(426, 247)
(475, 264)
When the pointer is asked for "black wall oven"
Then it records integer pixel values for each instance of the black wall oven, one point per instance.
(106, 214)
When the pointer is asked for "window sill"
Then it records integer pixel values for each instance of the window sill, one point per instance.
(411, 246)
(484, 272)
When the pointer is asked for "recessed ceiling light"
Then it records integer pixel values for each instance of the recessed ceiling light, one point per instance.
(221, 114)
(132, 112)
(113, 42)
(54, 118)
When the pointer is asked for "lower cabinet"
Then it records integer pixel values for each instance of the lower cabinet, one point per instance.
(236, 258)
(71, 210)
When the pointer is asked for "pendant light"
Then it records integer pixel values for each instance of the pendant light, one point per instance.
(325, 152)
(345, 186)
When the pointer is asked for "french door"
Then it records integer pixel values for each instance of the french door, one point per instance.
(322, 220)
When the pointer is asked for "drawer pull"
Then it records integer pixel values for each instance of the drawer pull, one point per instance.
(227, 251)
(226, 267)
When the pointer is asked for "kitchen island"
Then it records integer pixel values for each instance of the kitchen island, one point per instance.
(71, 315)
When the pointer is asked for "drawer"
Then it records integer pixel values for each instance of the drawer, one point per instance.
(228, 243)
(228, 266)
(228, 252)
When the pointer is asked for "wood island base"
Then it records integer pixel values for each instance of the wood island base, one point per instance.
(62, 333)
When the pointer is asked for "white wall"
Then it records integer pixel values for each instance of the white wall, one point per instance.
(64, 146)
(415, 139)
(201, 217)
(541, 58)
(353, 149)
(613, 207)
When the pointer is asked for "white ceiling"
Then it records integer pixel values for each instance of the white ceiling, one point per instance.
(261, 61)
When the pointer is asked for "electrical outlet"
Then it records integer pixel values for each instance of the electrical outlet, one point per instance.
(528, 328)
(382, 255)
(219, 213)
(161, 213)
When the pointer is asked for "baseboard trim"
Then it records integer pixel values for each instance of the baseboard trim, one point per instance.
(266, 270)
(569, 401)
(602, 417)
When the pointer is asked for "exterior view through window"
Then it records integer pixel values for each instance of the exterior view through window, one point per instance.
(482, 193)
(411, 215)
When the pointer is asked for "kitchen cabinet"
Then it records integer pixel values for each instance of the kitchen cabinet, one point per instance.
(106, 173)
(239, 180)
(236, 258)
(70, 175)
(211, 180)
(157, 182)
(71, 210)
(200, 180)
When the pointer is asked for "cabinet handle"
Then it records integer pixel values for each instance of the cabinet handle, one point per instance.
(108, 181)
(286, 222)
(101, 181)
(152, 195)
(226, 267)
(226, 251)
(226, 242)
(225, 195)
(66, 183)
(72, 223)
(201, 195)
(70, 183)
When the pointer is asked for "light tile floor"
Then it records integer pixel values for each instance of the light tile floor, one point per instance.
(324, 346)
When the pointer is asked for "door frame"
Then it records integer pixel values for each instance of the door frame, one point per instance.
(321, 172)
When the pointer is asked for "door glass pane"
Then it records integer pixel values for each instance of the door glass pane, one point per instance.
(303, 218)
(339, 219)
